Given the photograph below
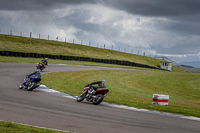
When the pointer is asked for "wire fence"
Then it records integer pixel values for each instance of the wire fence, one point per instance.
(81, 42)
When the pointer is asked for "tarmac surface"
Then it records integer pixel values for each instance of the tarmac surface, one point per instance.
(38, 108)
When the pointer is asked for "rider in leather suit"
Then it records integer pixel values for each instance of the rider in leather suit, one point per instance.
(101, 84)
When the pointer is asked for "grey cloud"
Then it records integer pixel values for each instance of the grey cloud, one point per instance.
(180, 47)
(156, 7)
(172, 23)
(178, 27)
(184, 28)
(184, 13)
(38, 4)
(79, 20)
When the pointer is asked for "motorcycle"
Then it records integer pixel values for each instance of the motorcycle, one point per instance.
(40, 66)
(91, 95)
(31, 82)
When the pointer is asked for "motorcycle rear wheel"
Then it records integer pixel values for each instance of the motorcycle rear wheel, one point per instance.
(32, 86)
(98, 99)
(80, 98)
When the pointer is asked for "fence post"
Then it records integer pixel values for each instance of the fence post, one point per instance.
(48, 37)
(30, 34)
(57, 38)
(104, 46)
(39, 36)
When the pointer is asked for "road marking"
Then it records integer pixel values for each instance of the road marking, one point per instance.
(46, 89)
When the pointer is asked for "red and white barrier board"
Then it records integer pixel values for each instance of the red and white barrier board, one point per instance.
(159, 99)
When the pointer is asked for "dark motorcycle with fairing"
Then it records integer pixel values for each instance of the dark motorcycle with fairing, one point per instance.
(42, 65)
(95, 96)
(31, 81)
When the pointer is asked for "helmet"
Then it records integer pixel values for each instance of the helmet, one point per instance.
(46, 58)
(103, 80)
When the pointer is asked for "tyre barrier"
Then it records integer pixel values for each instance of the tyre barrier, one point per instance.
(76, 58)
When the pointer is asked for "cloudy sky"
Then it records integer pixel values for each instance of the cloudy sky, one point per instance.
(157, 27)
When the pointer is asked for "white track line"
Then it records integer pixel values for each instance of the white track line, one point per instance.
(46, 89)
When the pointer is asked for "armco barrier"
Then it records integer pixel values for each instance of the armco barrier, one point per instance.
(76, 58)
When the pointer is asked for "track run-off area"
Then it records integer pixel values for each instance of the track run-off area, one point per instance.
(39, 108)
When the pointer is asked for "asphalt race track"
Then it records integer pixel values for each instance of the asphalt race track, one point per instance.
(43, 109)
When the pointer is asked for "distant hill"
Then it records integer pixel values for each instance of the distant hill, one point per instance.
(187, 66)
(194, 64)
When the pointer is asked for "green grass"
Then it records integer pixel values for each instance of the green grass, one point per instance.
(54, 61)
(135, 88)
(23, 44)
(8, 127)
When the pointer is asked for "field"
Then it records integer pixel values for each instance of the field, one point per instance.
(135, 88)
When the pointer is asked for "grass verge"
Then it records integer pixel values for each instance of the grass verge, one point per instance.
(135, 88)
(54, 61)
(8, 127)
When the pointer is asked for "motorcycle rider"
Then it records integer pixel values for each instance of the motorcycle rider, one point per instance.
(44, 61)
(101, 84)
(36, 73)
(30, 76)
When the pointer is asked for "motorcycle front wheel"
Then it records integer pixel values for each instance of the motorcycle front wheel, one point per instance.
(98, 99)
(80, 98)
(20, 87)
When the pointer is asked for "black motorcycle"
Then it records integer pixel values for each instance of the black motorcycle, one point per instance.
(91, 95)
